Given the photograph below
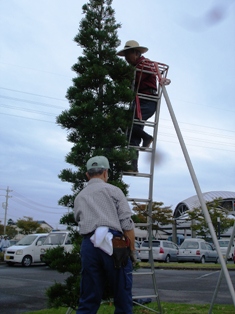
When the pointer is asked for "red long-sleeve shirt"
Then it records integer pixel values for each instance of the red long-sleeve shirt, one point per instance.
(144, 82)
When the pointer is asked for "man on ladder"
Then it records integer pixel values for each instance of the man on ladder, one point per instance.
(145, 84)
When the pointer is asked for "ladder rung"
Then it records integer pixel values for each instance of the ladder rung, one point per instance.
(142, 273)
(149, 97)
(145, 123)
(138, 200)
(137, 174)
(142, 149)
(144, 296)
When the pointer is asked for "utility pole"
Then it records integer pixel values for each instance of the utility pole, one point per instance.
(5, 206)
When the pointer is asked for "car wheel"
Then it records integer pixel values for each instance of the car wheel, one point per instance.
(216, 261)
(167, 259)
(27, 261)
(203, 260)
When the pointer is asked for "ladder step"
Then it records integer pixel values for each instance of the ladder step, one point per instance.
(145, 123)
(138, 200)
(137, 174)
(149, 97)
(144, 296)
(142, 273)
(140, 148)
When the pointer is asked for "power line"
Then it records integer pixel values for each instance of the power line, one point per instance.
(14, 90)
(31, 102)
(26, 199)
(27, 110)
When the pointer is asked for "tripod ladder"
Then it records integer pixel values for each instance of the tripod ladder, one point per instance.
(160, 70)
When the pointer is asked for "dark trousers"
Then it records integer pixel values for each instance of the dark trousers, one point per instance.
(97, 268)
(148, 108)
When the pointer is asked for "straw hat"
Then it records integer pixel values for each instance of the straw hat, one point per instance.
(132, 44)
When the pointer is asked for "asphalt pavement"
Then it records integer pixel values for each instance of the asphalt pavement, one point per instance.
(23, 289)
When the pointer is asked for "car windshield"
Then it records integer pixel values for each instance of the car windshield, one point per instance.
(27, 240)
(189, 245)
(55, 239)
(154, 243)
(223, 243)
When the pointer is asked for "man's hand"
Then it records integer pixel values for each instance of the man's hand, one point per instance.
(133, 258)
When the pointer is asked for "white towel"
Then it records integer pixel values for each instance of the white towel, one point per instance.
(102, 239)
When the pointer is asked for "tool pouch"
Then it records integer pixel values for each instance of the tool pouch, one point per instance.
(121, 251)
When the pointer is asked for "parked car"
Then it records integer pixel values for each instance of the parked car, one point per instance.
(163, 251)
(54, 239)
(26, 251)
(197, 250)
(13, 242)
(223, 243)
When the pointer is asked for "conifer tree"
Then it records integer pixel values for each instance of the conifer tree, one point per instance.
(99, 100)
(96, 122)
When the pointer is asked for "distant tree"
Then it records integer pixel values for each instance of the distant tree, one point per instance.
(99, 100)
(10, 231)
(43, 230)
(215, 210)
(27, 225)
(161, 215)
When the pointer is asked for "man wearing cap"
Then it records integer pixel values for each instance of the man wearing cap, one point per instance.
(102, 205)
(145, 83)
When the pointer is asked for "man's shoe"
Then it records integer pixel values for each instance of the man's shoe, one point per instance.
(147, 142)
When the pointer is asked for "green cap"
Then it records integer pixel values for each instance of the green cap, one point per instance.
(97, 162)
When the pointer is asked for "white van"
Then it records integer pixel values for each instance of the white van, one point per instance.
(54, 239)
(26, 251)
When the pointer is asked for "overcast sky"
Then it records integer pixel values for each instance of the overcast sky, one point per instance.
(195, 38)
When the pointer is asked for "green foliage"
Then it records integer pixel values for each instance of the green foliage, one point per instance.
(99, 100)
(161, 215)
(67, 293)
(215, 210)
(27, 225)
(10, 231)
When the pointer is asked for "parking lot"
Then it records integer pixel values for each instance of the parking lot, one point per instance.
(23, 289)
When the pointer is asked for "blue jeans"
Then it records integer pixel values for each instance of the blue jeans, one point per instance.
(97, 268)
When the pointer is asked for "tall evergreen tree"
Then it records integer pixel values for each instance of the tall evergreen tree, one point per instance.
(99, 100)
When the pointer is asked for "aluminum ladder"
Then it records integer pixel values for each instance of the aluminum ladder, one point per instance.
(160, 70)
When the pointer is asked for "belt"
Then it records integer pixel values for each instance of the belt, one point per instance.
(88, 235)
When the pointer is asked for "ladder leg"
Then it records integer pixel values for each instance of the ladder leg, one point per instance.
(200, 196)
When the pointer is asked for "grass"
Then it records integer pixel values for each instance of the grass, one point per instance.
(195, 266)
(167, 308)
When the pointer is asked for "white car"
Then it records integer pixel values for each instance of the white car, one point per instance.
(223, 243)
(197, 250)
(163, 251)
(26, 251)
(55, 239)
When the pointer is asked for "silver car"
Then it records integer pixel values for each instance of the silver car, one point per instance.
(223, 243)
(197, 250)
(163, 251)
